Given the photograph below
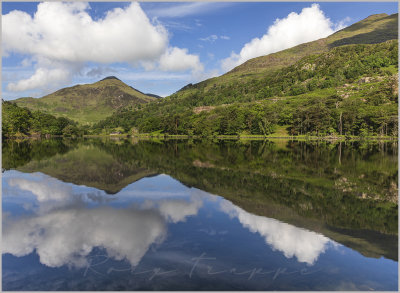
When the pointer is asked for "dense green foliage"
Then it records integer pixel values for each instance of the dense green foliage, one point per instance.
(350, 90)
(20, 122)
(19, 153)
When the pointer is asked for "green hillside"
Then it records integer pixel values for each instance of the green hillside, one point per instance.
(345, 84)
(88, 103)
(349, 90)
(374, 29)
(21, 122)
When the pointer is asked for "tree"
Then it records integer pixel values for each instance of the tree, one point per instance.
(70, 130)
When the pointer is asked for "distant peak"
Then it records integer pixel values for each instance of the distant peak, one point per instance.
(110, 77)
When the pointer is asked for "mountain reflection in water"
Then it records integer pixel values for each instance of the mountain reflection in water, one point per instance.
(158, 233)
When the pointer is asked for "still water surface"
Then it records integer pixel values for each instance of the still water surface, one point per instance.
(192, 215)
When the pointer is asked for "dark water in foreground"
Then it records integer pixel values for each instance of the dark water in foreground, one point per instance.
(197, 215)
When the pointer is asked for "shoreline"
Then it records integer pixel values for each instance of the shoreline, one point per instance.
(219, 137)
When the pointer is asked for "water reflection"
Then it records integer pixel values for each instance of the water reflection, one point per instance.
(305, 245)
(247, 207)
(66, 226)
(67, 236)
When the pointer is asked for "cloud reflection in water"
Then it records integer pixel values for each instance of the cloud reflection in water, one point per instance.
(66, 228)
(305, 245)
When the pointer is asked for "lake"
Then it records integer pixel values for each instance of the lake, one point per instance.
(127, 214)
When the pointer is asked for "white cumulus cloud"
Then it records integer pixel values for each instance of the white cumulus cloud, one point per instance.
(176, 59)
(41, 78)
(61, 38)
(297, 28)
(66, 32)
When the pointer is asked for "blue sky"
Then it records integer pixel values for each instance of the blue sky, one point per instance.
(155, 47)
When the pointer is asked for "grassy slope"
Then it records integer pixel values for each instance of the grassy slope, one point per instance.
(353, 79)
(374, 29)
(244, 83)
(87, 103)
(368, 31)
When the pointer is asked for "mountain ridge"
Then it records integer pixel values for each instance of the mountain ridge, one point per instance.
(324, 44)
(88, 103)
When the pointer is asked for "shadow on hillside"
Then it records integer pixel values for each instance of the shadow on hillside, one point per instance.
(388, 32)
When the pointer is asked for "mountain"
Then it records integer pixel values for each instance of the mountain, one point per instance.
(344, 84)
(88, 103)
(374, 29)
